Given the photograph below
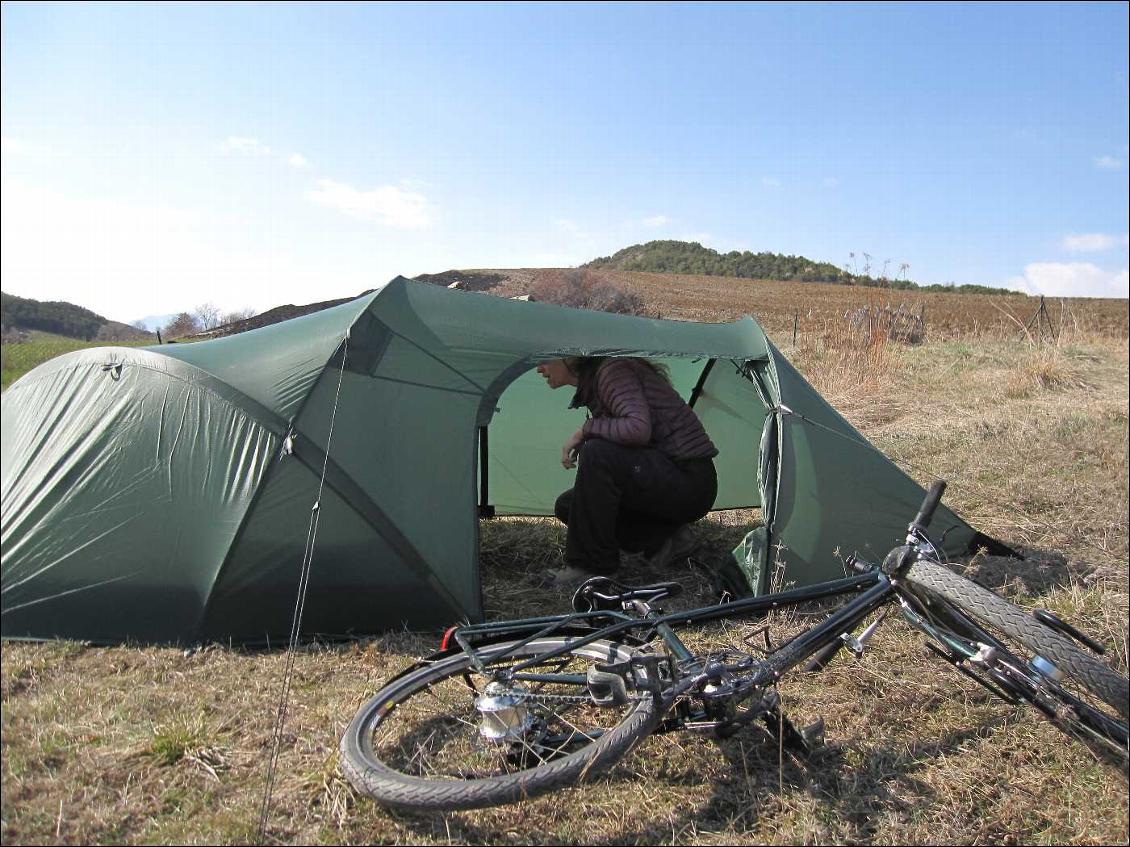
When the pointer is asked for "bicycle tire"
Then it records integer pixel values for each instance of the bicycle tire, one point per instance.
(982, 604)
(379, 774)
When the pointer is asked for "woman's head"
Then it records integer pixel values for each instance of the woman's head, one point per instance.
(559, 372)
(573, 370)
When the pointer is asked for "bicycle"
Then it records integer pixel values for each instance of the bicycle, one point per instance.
(512, 710)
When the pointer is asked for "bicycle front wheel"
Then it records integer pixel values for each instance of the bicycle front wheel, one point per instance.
(447, 736)
(1074, 689)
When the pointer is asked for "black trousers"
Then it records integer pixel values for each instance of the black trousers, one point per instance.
(630, 498)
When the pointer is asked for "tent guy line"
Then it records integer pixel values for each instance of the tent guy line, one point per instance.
(300, 603)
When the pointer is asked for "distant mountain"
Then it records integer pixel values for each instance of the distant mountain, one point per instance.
(24, 314)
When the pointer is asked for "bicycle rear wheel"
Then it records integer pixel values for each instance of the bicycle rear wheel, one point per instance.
(422, 744)
(1074, 689)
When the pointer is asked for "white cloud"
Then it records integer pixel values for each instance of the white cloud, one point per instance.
(656, 221)
(830, 181)
(1071, 279)
(245, 146)
(1093, 242)
(386, 205)
(771, 182)
(297, 160)
(15, 147)
(125, 259)
(1108, 163)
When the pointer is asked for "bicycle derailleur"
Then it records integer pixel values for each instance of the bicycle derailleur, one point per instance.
(727, 702)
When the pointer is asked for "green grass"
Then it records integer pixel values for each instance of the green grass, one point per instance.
(171, 744)
(16, 359)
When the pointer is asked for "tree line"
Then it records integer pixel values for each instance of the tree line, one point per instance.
(690, 257)
(205, 317)
(50, 316)
(61, 318)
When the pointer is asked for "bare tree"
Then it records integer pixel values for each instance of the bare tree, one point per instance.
(237, 315)
(182, 325)
(207, 316)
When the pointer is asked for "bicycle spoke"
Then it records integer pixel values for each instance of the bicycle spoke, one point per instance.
(437, 734)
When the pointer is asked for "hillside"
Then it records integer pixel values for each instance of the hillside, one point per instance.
(690, 257)
(669, 261)
(20, 316)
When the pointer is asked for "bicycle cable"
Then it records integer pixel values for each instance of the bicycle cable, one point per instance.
(300, 605)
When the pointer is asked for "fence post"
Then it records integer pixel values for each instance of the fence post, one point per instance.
(1038, 319)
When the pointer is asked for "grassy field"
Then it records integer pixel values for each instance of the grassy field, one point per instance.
(18, 359)
(152, 745)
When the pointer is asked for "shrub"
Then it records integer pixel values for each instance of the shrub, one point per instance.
(182, 325)
(585, 289)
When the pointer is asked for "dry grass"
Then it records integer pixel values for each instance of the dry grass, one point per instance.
(150, 745)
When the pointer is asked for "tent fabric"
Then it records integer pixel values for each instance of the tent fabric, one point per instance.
(168, 493)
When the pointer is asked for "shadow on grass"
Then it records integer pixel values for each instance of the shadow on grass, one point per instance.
(1037, 574)
(759, 781)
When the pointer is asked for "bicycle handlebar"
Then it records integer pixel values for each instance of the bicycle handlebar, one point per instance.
(933, 497)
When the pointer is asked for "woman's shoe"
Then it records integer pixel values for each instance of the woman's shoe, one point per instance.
(678, 545)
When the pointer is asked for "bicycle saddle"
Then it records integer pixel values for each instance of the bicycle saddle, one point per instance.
(602, 593)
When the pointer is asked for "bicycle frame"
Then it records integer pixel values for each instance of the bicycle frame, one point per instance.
(962, 642)
(559, 696)
(876, 587)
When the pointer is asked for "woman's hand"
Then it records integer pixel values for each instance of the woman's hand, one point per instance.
(570, 450)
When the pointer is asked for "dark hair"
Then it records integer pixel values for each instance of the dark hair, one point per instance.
(585, 367)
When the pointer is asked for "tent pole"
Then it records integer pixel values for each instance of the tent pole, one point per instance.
(485, 509)
(696, 392)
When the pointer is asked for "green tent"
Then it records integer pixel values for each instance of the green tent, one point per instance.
(167, 494)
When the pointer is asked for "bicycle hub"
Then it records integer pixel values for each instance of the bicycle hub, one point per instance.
(503, 716)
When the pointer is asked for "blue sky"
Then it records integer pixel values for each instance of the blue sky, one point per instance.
(159, 156)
